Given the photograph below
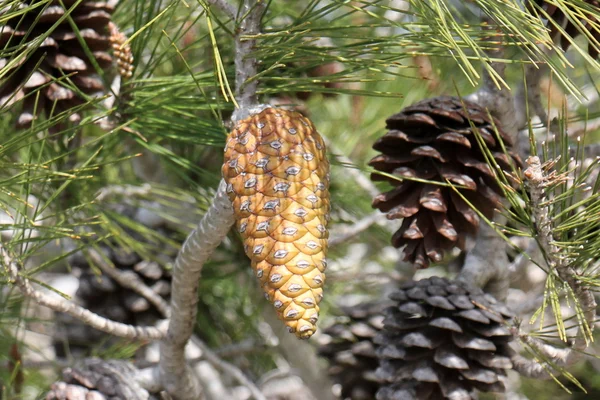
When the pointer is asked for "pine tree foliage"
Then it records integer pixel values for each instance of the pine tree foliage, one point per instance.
(152, 142)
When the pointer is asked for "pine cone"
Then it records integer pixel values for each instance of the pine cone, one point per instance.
(434, 140)
(277, 176)
(58, 55)
(570, 28)
(121, 51)
(349, 348)
(98, 380)
(443, 340)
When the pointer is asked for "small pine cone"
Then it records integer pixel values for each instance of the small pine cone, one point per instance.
(98, 380)
(59, 54)
(443, 340)
(121, 51)
(569, 27)
(349, 348)
(434, 140)
(277, 176)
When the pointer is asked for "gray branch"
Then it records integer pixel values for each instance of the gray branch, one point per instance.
(538, 180)
(224, 6)
(355, 173)
(176, 376)
(486, 265)
(246, 67)
(59, 304)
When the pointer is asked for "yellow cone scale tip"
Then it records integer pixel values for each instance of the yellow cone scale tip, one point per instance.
(277, 176)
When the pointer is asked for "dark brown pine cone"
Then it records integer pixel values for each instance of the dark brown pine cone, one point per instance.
(106, 297)
(58, 55)
(571, 28)
(443, 340)
(98, 380)
(434, 140)
(348, 347)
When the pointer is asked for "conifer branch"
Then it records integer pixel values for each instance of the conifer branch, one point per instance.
(246, 67)
(486, 265)
(496, 98)
(84, 315)
(225, 7)
(176, 375)
(538, 181)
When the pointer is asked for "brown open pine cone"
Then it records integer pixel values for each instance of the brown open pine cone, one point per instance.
(435, 140)
(59, 55)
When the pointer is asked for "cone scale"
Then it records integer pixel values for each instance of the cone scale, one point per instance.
(277, 176)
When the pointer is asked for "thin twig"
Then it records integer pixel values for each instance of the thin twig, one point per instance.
(131, 280)
(123, 190)
(229, 368)
(225, 7)
(576, 129)
(538, 182)
(349, 168)
(61, 305)
(176, 376)
(344, 234)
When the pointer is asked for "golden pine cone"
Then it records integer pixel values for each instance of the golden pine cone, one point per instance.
(277, 176)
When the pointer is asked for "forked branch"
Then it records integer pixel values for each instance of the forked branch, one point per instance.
(84, 315)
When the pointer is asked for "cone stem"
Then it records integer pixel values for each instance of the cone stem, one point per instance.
(246, 67)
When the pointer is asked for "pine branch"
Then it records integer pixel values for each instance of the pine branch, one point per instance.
(123, 191)
(225, 7)
(84, 315)
(176, 376)
(486, 265)
(246, 67)
(538, 180)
